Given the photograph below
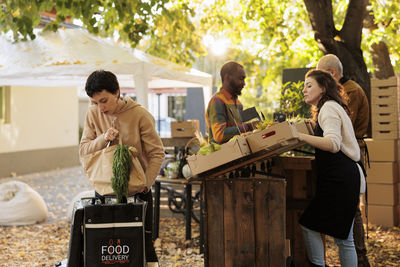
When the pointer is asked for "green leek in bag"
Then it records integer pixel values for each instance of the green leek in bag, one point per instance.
(121, 172)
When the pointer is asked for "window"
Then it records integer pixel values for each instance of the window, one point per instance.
(4, 104)
(176, 107)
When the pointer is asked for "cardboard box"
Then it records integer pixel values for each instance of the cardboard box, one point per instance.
(383, 172)
(384, 117)
(384, 99)
(229, 151)
(385, 126)
(184, 128)
(383, 194)
(384, 215)
(384, 91)
(391, 81)
(276, 136)
(383, 150)
(385, 135)
(304, 127)
(384, 108)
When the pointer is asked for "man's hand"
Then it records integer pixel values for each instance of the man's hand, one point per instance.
(250, 126)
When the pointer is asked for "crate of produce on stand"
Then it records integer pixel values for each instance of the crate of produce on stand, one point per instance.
(273, 140)
(228, 152)
(273, 137)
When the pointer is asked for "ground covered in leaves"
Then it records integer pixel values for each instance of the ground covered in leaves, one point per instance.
(383, 247)
(46, 244)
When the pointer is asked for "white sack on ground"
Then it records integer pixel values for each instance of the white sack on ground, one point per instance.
(20, 204)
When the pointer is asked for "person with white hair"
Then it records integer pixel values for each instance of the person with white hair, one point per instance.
(359, 108)
(358, 101)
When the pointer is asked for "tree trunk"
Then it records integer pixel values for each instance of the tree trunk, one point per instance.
(381, 59)
(379, 51)
(346, 43)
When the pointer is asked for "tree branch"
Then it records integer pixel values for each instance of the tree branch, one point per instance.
(321, 17)
(352, 27)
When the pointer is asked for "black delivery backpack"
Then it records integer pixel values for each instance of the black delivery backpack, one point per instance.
(107, 234)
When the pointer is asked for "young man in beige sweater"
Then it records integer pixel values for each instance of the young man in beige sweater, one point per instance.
(111, 117)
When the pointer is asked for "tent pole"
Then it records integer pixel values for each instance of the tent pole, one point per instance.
(159, 113)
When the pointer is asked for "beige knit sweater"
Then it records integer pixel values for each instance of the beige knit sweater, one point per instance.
(136, 127)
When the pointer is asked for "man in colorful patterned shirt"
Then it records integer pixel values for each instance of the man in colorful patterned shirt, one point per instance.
(223, 111)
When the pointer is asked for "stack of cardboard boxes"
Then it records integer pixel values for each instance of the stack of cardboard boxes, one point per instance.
(384, 153)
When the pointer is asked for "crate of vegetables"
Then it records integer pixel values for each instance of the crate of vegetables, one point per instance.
(214, 155)
(273, 137)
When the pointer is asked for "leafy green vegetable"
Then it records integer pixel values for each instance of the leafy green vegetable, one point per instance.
(209, 148)
(121, 169)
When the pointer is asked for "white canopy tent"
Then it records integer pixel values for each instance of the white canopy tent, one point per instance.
(68, 56)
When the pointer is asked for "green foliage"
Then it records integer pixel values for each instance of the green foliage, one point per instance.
(174, 37)
(121, 171)
(166, 28)
(130, 18)
(387, 30)
(292, 100)
(266, 36)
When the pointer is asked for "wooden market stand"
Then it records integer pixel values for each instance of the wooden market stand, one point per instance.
(251, 208)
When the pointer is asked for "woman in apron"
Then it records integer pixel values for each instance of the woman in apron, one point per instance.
(340, 175)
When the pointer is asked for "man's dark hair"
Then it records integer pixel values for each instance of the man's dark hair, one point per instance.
(229, 67)
(101, 80)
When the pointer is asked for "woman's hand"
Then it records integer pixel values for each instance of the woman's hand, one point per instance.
(312, 122)
(111, 134)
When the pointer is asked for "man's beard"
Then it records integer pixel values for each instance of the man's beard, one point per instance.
(236, 90)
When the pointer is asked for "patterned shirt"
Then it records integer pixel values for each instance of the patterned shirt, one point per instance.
(221, 124)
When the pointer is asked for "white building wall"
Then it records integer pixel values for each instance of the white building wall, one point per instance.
(40, 118)
(153, 105)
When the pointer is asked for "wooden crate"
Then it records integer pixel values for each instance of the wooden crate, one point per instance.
(244, 222)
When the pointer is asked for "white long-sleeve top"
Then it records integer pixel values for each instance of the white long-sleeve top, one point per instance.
(337, 126)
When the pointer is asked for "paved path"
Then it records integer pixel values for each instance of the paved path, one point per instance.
(57, 187)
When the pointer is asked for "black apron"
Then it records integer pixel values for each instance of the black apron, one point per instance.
(332, 209)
